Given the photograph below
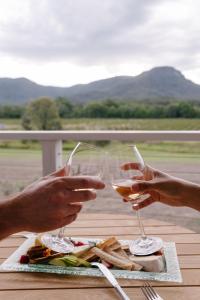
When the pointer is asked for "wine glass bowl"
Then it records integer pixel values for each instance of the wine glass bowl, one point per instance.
(85, 160)
(123, 178)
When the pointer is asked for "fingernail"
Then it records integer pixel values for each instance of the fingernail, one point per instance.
(103, 185)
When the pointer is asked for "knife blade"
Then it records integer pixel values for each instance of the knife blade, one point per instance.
(110, 277)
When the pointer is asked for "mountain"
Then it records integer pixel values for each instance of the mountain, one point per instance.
(21, 90)
(157, 83)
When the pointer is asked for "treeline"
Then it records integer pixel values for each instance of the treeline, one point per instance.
(11, 111)
(114, 109)
(128, 109)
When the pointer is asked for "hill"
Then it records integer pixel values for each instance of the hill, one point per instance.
(157, 83)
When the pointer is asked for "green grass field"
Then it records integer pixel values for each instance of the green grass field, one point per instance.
(116, 124)
(172, 151)
(132, 124)
(152, 149)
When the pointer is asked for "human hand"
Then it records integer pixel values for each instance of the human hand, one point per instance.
(164, 188)
(51, 202)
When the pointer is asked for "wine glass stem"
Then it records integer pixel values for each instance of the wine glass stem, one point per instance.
(61, 233)
(142, 232)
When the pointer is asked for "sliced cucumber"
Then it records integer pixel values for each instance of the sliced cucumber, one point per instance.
(69, 261)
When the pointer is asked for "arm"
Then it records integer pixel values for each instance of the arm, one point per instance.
(7, 219)
(52, 202)
(166, 189)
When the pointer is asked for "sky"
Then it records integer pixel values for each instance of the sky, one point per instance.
(66, 42)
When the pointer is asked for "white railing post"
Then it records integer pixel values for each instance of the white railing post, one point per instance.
(51, 156)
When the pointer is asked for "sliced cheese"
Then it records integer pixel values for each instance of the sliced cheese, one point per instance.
(151, 263)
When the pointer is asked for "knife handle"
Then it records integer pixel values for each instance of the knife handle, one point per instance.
(121, 293)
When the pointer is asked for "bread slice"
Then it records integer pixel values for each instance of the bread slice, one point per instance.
(90, 255)
(121, 263)
(122, 252)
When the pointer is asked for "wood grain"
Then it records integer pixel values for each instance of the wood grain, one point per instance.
(171, 293)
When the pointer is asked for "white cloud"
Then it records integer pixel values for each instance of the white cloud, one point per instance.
(64, 42)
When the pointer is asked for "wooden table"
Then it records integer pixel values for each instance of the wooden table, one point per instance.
(36, 286)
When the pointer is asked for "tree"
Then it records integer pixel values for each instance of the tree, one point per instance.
(187, 110)
(172, 111)
(94, 110)
(11, 111)
(65, 107)
(26, 121)
(41, 114)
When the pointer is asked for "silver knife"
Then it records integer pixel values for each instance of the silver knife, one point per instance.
(111, 279)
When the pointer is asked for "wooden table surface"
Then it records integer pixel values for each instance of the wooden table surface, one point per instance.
(33, 286)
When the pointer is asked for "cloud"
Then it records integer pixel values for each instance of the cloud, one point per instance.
(117, 35)
(87, 31)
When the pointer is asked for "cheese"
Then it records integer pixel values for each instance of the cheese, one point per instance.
(151, 263)
(78, 251)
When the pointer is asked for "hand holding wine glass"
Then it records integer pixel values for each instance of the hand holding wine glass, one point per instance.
(164, 188)
(85, 163)
(123, 176)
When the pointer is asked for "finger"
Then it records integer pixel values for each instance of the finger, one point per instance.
(73, 208)
(63, 198)
(152, 172)
(148, 171)
(136, 177)
(125, 200)
(59, 173)
(69, 219)
(142, 186)
(156, 185)
(144, 203)
(133, 166)
(80, 196)
(79, 182)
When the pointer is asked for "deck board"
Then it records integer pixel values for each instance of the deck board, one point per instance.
(171, 293)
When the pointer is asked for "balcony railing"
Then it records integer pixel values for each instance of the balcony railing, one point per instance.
(51, 141)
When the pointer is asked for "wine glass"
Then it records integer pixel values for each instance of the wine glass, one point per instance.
(122, 181)
(84, 160)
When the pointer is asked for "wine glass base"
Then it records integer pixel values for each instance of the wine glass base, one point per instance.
(146, 246)
(55, 243)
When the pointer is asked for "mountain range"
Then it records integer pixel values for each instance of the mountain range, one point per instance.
(157, 83)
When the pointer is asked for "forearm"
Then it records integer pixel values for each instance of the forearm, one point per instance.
(9, 222)
(191, 194)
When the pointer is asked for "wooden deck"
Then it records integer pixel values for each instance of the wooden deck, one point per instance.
(21, 286)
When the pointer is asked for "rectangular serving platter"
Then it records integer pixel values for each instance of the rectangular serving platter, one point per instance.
(172, 272)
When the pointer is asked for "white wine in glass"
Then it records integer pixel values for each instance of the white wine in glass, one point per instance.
(84, 160)
(124, 188)
(122, 182)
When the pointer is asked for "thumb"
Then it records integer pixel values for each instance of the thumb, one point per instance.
(142, 186)
(58, 173)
